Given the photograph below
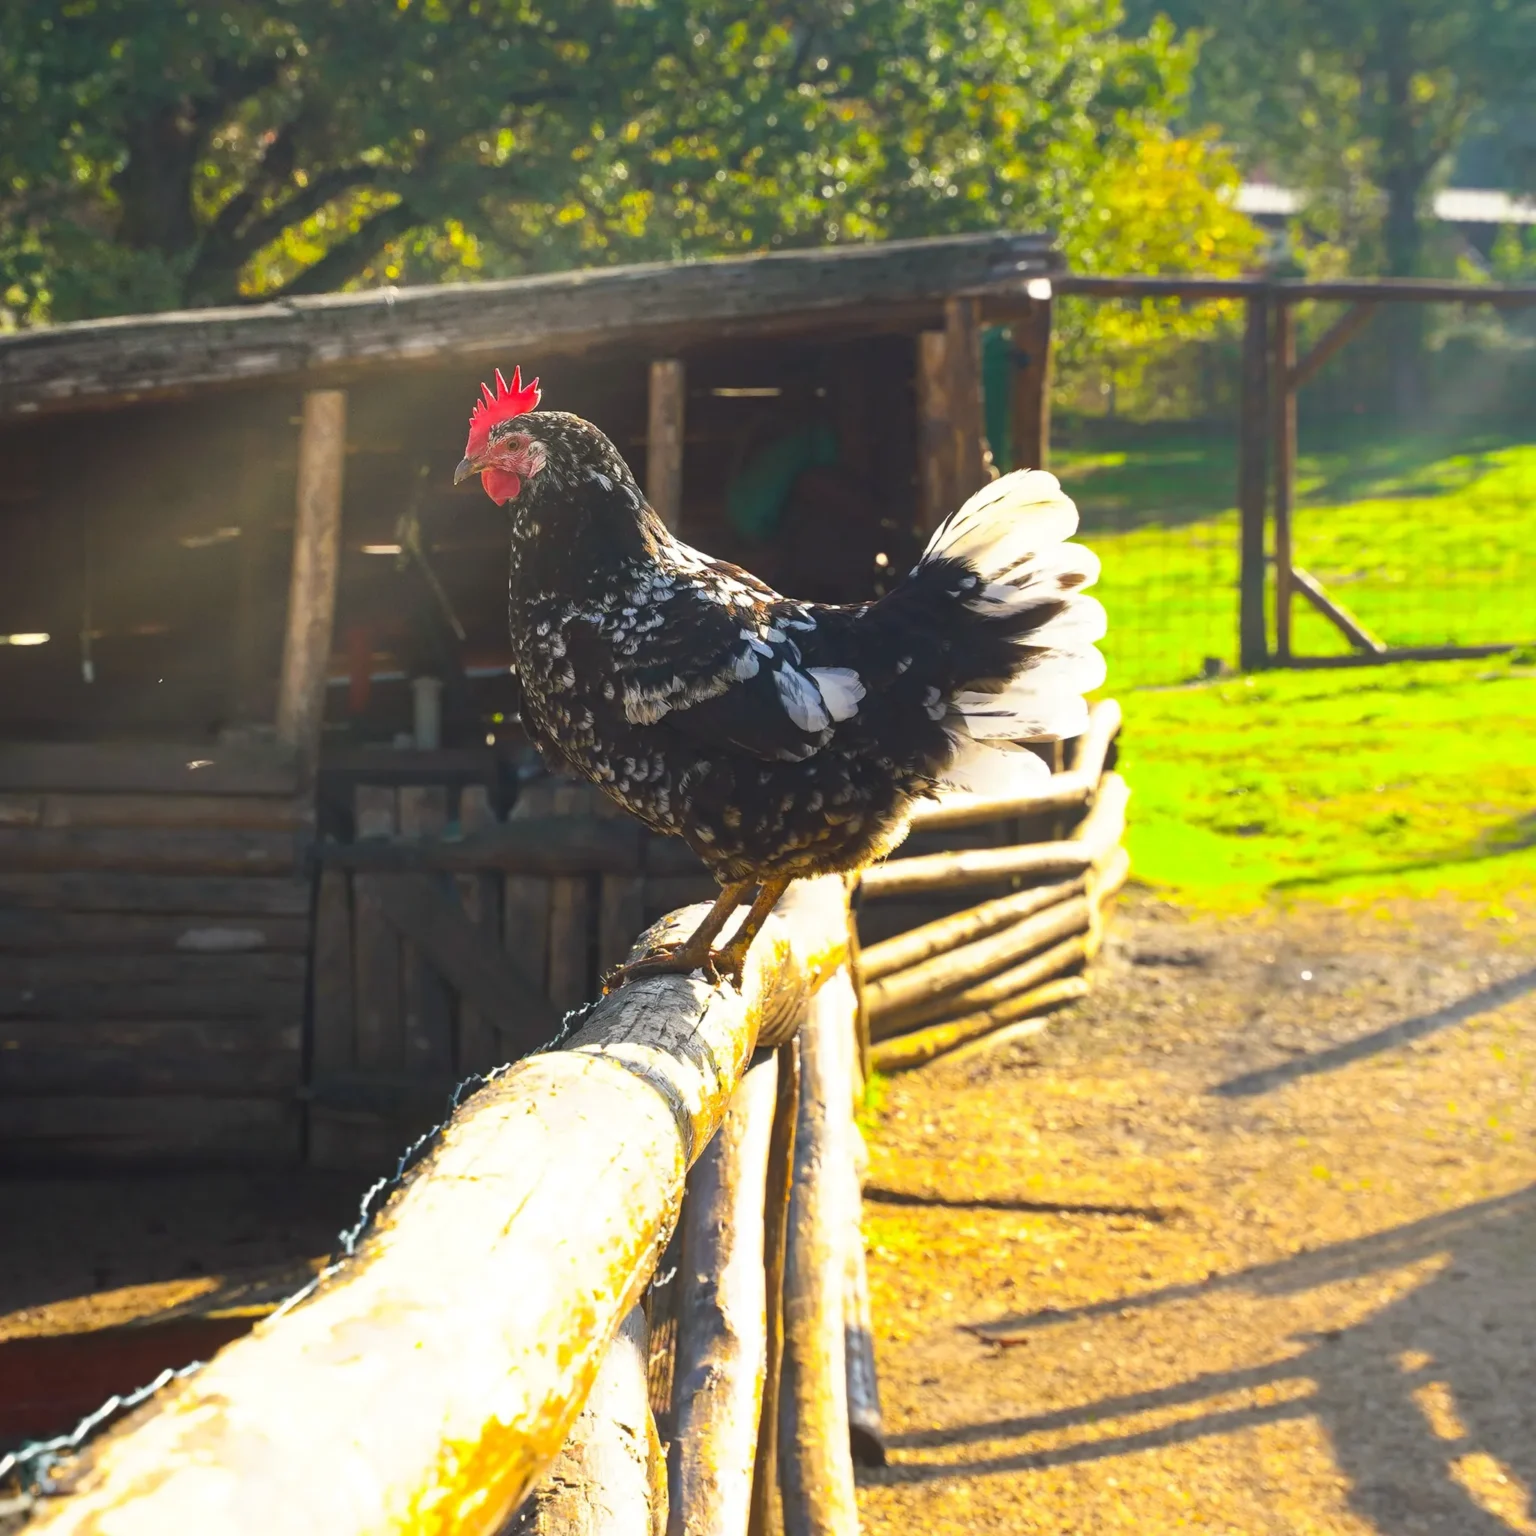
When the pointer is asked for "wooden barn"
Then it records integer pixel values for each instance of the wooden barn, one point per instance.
(276, 866)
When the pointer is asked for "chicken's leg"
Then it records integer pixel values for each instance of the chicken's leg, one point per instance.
(691, 955)
(732, 959)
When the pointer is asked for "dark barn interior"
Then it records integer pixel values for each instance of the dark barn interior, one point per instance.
(199, 759)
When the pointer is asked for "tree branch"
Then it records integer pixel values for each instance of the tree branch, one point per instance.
(347, 258)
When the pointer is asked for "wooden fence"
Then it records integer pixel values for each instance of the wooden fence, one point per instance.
(485, 1360)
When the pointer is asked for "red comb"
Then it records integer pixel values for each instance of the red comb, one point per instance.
(509, 400)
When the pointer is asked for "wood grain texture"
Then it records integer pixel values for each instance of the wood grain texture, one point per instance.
(43, 1131)
(722, 1343)
(184, 894)
(815, 1464)
(601, 1483)
(35, 932)
(312, 582)
(113, 767)
(147, 850)
(945, 933)
(337, 336)
(665, 427)
(1100, 831)
(430, 1382)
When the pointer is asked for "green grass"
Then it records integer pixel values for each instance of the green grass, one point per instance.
(1429, 540)
(1403, 779)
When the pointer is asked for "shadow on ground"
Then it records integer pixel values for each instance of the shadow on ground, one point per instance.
(1407, 1471)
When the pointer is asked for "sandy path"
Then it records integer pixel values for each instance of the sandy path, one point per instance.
(1247, 1245)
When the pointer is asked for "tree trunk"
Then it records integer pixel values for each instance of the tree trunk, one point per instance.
(1403, 174)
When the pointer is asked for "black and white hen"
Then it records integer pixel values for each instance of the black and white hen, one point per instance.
(778, 739)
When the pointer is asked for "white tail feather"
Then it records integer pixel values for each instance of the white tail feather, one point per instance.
(995, 769)
(1008, 521)
(1013, 534)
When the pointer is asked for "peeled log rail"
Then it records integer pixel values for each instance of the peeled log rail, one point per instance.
(899, 1052)
(990, 996)
(815, 1463)
(1100, 831)
(431, 1380)
(924, 1045)
(972, 962)
(936, 938)
(1063, 792)
(606, 1479)
(722, 1343)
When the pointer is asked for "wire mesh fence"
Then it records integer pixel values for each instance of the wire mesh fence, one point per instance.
(1415, 509)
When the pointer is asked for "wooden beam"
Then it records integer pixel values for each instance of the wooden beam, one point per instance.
(815, 1460)
(763, 1516)
(1100, 831)
(722, 1342)
(1283, 409)
(333, 338)
(312, 585)
(426, 914)
(935, 432)
(602, 1482)
(442, 1367)
(902, 1053)
(967, 412)
(913, 996)
(1334, 339)
(1335, 612)
(664, 440)
(1032, 386)
(940, 936)
(1253, 431)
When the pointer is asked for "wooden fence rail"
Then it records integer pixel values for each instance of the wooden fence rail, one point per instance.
(431, 1380)
(485, 1363)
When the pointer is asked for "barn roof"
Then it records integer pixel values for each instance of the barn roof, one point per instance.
(334, 337)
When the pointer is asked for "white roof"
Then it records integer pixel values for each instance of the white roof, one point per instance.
(1453, 205)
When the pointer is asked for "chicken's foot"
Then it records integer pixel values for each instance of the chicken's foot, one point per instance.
(694, 954)
(731, 961)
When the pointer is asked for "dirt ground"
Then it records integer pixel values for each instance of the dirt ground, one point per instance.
(1246, 1244)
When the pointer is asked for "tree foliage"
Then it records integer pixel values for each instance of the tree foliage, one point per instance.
(158, 153)
(1362, 104)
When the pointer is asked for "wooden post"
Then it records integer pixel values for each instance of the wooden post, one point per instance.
(312, 588)
(1283, 405)
(1032, 384)
(866, 1428)
(763, 1519)
(722, 1339)
(815, 1463)
(935, 436)
(968, 420)
(1252, 455)
(603, 1481)
(664, 441)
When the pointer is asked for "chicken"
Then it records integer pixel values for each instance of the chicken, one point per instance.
(779, 739)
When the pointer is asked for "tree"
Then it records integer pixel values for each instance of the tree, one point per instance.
(1360, 103)
(159, 153)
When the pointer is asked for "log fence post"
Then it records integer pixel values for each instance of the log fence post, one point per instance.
(664, 440)
(1252, 450)
(1032, 380)
(722, 1340)
(1283, 406)
(815, 1460)
(312, 585)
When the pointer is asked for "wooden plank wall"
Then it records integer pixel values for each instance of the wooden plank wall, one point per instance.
(154, 928)
(425, 975)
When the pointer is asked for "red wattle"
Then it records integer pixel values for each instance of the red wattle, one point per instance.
(501, 485)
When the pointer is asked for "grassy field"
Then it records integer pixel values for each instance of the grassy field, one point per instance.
(1429, 541)
(1294, 784)
(1404, 779)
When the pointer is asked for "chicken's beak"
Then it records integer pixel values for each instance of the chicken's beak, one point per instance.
(467, 467)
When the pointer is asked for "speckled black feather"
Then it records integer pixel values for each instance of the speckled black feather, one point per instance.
(690, 691)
